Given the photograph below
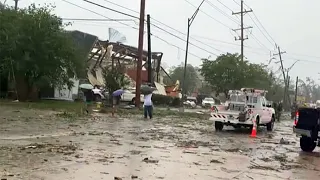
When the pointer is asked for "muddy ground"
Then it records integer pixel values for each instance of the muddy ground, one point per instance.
(48, 145)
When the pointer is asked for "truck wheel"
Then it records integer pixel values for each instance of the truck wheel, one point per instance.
(307, 144)
(270, 125)
(218, 126)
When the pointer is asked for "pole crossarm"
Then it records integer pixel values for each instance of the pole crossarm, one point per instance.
(241, 38)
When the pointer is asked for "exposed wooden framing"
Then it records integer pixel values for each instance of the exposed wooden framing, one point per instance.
(93, 54)
(124, 55)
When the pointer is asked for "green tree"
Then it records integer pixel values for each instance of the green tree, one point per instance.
(229, 72)
(191, 81)
(225, 73)
(114, 78)
(35, 46)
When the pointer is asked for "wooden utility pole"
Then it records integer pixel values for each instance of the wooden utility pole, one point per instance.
(296, 91)
(140, 53)
(283, 73)
(149, 51)
(16, 4)
(242, 28)
(288, 90)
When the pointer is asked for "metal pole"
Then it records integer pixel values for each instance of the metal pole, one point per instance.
(242, 38)
(296, 94)
(296, 91)
(140, 53)
(285, 90)
(149, 50)
(183, 92)
(288, 90)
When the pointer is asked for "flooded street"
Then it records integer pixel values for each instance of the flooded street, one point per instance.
(45, 145)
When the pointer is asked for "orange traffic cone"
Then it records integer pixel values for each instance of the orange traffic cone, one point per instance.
(254, 130)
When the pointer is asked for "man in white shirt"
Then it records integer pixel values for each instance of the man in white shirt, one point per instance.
(148, 106)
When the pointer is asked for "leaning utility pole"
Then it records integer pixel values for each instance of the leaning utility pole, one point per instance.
(283, 73)
(149, 51)
(242, 28)
(140, 53)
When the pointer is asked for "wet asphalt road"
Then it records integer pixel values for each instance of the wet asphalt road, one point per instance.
(43, 145)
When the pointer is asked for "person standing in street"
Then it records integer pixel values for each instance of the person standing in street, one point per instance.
(148, 106)
(88, 99)
(279, 110)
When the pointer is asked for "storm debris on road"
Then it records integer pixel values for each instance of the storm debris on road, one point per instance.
(147, 160)
(133, 148)
(215, 161)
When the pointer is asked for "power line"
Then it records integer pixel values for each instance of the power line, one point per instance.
(288, 58)
(225, 6)
(165, 30)
(158, 28)
(317, 57)
(121, 6)
(236, 2)
(205, 44)
(264, 28)
(151, 17)
(97, 13)
(120, 12)
(91, 19)
(259, 42)
(170, 27)
(254, 37)
(119, 21)
(209, 15)
(184, 40)
(261, 31)
(129, 26)
(255, 16)
(222, 12)
(259, 22)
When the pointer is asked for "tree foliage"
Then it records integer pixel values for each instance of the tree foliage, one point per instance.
(310, 89)
(191, 81)
(115, 78)
(35, 45)
(229, 72)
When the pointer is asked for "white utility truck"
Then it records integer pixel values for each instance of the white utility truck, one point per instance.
(246, 105)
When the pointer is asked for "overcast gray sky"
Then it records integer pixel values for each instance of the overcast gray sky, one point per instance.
(292, 24)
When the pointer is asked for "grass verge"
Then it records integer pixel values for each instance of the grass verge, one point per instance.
(76, 107)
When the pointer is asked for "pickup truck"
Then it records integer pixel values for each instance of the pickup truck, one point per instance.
(245, 106)
(307, 127)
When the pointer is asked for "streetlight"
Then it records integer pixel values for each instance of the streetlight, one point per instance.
(287, 83)
(190, 21)
(289, 69)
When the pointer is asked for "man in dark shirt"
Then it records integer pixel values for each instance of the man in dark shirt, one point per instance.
(88, 98)
(279, 110)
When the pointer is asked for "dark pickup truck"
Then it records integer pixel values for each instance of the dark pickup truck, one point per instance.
(307, 127)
